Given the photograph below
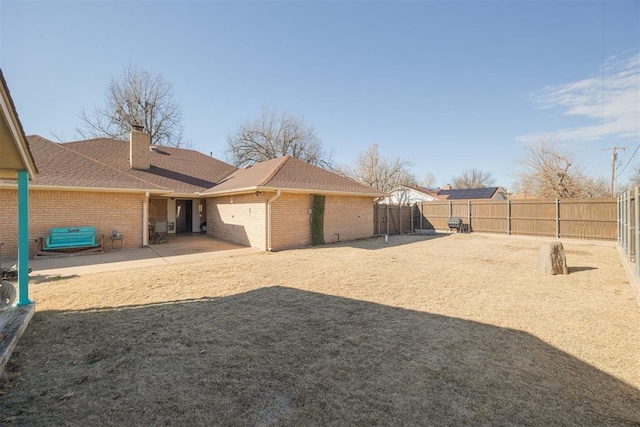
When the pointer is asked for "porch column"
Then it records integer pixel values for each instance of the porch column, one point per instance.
(23, 238)
(145, 220)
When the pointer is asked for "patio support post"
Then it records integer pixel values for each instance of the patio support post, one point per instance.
(145, 220)
(23, 238)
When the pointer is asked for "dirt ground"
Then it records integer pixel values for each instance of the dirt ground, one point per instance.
(441, 330)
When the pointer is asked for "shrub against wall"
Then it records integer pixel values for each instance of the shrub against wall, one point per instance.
(317, 220)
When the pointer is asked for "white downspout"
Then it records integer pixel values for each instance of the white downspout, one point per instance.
(269, 248)
(145, 220)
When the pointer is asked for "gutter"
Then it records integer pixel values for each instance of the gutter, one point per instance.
(271, 200)
(248, 190)
(12, 186)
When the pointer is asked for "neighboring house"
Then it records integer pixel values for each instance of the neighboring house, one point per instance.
(125, 185)
(411, 194)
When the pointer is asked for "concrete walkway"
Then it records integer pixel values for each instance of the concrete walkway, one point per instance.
(180, 249)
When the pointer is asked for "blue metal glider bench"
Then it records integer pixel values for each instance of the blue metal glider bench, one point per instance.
(71, 240)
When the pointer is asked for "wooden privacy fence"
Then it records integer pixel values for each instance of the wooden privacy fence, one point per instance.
(581, 219)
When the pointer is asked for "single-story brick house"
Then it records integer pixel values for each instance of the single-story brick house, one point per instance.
(123, 185)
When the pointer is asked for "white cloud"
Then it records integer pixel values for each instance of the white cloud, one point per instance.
(613, 104)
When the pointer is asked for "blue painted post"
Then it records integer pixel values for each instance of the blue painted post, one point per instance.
(23, 238)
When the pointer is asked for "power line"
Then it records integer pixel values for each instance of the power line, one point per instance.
(629, 161)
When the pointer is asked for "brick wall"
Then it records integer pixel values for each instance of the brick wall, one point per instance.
(349, 216)
(239, 219)
(291, 222)
(243, 219)
(48, 209)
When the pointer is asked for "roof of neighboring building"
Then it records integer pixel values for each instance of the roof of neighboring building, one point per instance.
(292, 174)
(60, 166)
(468, 193)
(424, 190)
(181, 170)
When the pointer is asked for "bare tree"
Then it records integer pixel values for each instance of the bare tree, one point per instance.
(548, 172)
(136, 98)
(428, 181)
(473, 178)
(274, 135)
(384, 174)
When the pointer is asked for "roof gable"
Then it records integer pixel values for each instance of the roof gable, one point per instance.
(292, 174)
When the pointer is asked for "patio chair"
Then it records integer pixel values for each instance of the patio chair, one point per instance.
(160, 232)
(115, 236)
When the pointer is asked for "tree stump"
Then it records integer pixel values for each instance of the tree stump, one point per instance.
(552, 260)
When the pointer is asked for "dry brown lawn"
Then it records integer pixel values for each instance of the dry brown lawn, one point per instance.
(444, 330)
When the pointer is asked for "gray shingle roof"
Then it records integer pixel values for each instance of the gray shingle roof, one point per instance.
(59, 166)
(290, 173)
(181, 170)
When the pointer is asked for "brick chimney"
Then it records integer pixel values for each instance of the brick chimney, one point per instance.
(446, 187)
(139, 143)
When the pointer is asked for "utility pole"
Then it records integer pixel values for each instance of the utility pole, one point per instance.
(614, 157)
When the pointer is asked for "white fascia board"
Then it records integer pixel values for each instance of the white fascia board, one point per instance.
(89, 189)
(293, 190)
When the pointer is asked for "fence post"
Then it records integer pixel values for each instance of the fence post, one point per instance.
(508, 217)
(637, 229)
(469, 214)
(629, 225)
(378, 217)
(412, 209)
(400, 218)
(450, 209)
(623, 221)
(421, 214)
(618, 219)
(557, 218)
(388, 220)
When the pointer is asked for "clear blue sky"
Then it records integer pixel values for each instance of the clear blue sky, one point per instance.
(450, 85)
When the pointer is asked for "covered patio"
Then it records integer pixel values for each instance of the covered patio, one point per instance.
(16, 163)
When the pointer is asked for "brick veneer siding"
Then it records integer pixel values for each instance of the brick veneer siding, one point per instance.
(291, 222)
(242, 219)
(53, 208)
(349, 216)
(239, 219)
